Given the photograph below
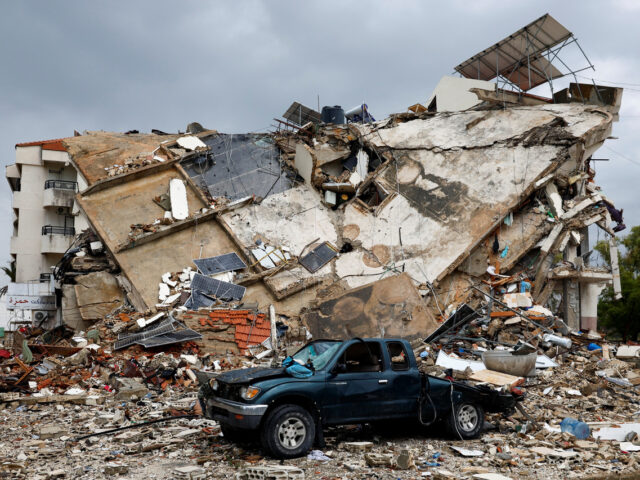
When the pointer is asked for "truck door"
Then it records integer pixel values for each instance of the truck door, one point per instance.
(403, 394)
(357, 385)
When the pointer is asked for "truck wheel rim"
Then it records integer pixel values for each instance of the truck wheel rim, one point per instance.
(467, 417)
(292, 433)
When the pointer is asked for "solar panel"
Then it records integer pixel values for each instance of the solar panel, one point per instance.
(220, 264)
(169, 338)
(299, 114)
(318, 257)
(217, 288)
(519, 56)
(198, 300)
(167, 326)
(149, 328)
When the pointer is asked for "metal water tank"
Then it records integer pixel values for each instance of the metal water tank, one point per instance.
(333, 114)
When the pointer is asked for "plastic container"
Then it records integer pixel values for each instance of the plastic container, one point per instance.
(506, 362)
(333, 115)
(575, 427)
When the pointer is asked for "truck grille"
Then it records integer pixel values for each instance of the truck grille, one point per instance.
(230, 392)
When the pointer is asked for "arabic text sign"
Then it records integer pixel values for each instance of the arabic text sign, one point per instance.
(31, 302)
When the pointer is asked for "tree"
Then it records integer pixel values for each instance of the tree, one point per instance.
(10, 271)
(622, 317)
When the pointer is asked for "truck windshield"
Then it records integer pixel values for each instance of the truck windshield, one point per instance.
(319, 353)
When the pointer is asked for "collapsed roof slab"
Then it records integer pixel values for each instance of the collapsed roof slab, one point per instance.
(94, 152)
(112, 210)
(293, 219)
(484, 128)
(240, 165)
(119, 206)
(454, 184)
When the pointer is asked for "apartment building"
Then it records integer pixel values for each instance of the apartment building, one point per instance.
(43, 182)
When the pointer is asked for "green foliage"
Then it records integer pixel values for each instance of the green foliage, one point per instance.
(622, 317)
(10, 271)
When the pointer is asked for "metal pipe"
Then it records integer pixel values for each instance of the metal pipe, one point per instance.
(512, 310)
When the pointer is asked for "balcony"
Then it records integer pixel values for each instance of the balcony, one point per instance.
(56, 239)
(59, 193)
(12, 172)
(14, 247)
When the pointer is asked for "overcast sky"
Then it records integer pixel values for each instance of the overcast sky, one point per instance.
(234, 65)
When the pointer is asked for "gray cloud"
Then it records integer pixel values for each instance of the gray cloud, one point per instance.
(234, 65)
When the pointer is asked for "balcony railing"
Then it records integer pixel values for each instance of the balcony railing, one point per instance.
(53, 230)
(62, 184)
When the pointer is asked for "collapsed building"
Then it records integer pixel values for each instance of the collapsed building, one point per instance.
(361, 228)
(149, 263)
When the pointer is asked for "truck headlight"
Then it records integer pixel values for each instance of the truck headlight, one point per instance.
(249, 392)
(213, 383)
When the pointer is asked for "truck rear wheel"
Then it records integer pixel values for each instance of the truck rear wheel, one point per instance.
(466, 421)
(288, 432)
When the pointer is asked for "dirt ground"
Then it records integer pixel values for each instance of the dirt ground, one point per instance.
(41, 442)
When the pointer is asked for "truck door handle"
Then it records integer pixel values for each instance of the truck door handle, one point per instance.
(383, 381)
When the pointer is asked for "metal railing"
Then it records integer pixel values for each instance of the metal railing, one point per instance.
(62, 184)
(53, 230)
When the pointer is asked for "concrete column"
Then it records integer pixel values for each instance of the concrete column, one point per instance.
(571, 303)
(589, 293)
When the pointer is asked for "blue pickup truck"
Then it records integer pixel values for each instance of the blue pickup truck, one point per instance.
(342, 382)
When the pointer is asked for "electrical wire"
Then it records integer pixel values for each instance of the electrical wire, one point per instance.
(453, 411)
(635, 162)
(135, 425)
(608, 81)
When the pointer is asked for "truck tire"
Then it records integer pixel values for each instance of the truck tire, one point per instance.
(236, 435)
(288, 432)
(466, 420)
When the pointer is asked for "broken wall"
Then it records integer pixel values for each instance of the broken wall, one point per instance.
(391, 307)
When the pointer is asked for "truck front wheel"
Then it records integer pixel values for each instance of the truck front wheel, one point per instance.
(288, 432)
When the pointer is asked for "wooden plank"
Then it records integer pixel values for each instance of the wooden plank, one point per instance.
(496, 378)
(501, 314)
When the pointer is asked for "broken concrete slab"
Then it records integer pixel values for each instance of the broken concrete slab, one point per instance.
(51, 431)
(129, 388)
(97, 294)
(391, 307)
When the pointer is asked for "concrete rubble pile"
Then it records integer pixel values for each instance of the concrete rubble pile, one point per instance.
(73, 423)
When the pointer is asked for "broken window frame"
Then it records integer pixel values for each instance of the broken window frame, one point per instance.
(375, 209)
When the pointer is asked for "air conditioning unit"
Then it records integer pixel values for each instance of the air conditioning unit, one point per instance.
(40, 316)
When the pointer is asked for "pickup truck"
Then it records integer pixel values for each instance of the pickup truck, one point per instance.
(342, 382)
